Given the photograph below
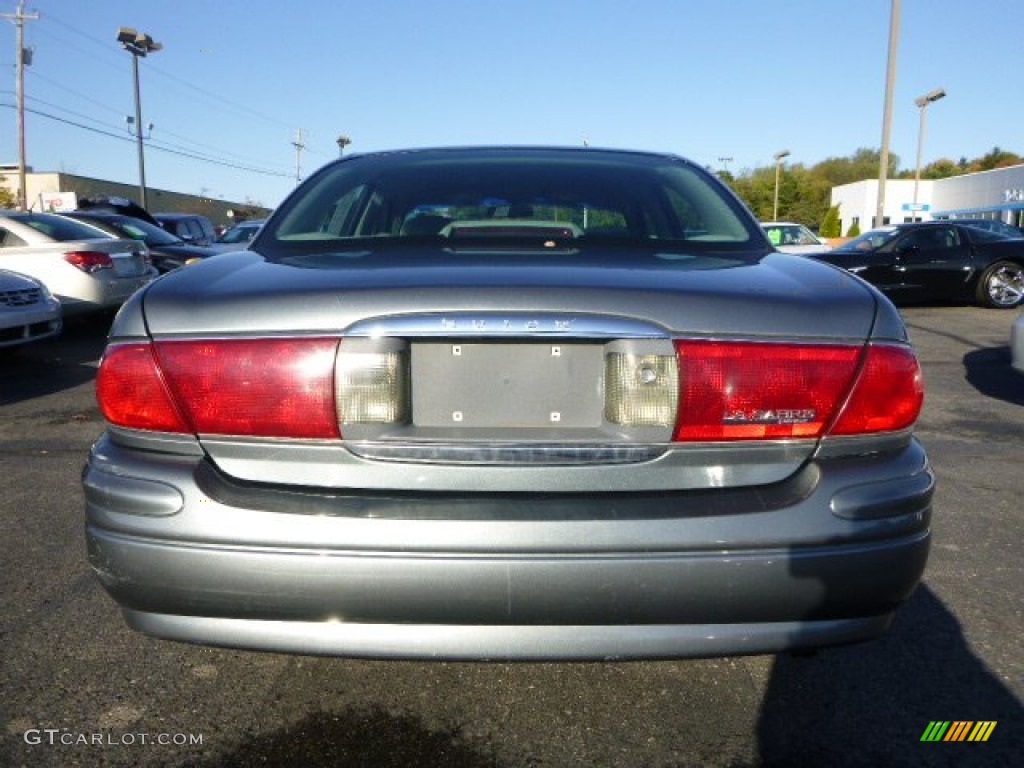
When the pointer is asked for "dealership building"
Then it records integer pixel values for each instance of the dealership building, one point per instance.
(58, 191)
(997, 194)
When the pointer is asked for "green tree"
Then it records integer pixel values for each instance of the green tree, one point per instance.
(7, 199)
(831, 224)
(854, 230)
(996, 158)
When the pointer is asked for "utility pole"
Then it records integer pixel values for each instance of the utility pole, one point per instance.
(24, 57)
(299, 146)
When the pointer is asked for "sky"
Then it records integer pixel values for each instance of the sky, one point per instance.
(705, 79)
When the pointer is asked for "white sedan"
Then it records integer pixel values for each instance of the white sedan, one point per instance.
(1017, 343)
(85, 268)
(28, 312)
(789, 237)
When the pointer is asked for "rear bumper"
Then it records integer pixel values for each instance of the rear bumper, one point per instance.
(508, 643)
(647, 577)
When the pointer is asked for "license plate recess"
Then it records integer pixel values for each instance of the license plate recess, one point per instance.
(507, 385)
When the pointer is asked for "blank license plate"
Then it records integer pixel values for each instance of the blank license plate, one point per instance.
(507, 385)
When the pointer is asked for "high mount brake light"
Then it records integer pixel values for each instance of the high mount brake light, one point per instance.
(89, 261)
(757, 391)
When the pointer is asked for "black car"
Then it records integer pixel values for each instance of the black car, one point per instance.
(993, 225)
(190, 227)
(168, 252)
(937, 260)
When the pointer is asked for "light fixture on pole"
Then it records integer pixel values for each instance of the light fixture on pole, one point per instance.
(343, 141)
(779, 157)
(138, 44)
(922, 103)
(725, 163)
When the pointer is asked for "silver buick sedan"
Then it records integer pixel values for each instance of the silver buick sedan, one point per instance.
(509, 403)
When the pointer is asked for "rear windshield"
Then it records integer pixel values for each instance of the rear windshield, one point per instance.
(61, 228)
(137, 229)
(550, 197)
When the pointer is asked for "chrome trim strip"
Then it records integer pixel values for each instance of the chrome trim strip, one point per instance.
(507, 324)
(536, 454)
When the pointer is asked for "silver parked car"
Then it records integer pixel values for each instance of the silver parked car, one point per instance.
(84, 267)
(1017, 343)
(509, 403)
(28, 312)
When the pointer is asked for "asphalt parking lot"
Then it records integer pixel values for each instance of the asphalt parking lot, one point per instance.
(79, 688)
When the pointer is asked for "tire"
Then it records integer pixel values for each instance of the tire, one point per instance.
(1001, 285)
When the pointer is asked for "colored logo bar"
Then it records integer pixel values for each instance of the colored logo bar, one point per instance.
(958, 730)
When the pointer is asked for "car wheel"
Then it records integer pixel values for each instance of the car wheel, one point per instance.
(1002, 285)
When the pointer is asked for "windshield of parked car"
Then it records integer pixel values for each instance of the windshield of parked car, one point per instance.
(61, 228)
(790, 234)
(869, 241)
(137, 229)
(551, 198)
(241, 233)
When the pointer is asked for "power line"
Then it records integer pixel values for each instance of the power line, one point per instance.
(158, 147)
(120, 112)
(217, 98)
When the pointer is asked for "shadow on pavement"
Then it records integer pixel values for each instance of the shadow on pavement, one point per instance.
(869, 705)
(988, 371)
(46, 367)
(370, 737)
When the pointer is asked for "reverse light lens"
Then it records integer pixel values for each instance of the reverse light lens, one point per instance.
(751, 391)
(372, 387)
(641, 390)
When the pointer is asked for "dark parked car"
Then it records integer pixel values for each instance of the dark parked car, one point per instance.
(992, 225)
(239, 236)
(510, 403)
(937, 260)
(167, 251)
(190, 227)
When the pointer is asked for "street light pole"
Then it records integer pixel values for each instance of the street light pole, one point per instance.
(922, 103)
(890, 82)
(343, 141)
(138, 44)
(779, 156)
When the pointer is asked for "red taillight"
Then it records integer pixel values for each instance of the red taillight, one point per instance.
(749, 391)
(888, 394)
(257, 387)
(132, 393)
(89, 261)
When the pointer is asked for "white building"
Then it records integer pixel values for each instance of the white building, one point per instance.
(997, 194)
